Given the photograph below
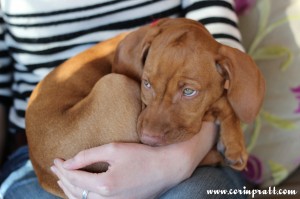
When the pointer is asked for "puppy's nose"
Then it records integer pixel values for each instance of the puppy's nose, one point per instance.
(151, 140)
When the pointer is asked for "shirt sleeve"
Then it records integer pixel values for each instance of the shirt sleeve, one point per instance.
(219, 18)
(5, 68)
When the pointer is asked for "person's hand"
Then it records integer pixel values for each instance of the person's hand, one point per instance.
(136, 170)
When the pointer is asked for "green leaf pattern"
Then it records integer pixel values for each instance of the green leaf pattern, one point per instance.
(270, 52)
(279, 172)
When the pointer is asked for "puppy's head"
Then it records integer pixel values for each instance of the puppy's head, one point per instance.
(183, 71)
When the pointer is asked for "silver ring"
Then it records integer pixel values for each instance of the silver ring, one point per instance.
(85, 194)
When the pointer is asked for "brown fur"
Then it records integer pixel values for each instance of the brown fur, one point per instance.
(81, 105)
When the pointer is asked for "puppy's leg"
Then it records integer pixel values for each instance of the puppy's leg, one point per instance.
(231, 136)
(107, 114)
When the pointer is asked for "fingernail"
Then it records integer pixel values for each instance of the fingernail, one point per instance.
(53, 169)
(55, 161)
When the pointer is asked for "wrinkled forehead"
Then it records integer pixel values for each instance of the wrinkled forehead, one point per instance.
(185, 51)
(186, 35)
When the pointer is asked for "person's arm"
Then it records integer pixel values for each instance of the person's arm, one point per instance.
(219, 18)
(5, 86)
(136, 170)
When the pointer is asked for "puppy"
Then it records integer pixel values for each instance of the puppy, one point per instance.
(155, 86)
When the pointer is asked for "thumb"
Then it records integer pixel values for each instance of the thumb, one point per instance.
(87, 157)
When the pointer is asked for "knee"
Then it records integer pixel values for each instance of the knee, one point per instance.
(119, 92)
(120, 85)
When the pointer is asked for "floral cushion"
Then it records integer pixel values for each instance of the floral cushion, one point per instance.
(271, 36)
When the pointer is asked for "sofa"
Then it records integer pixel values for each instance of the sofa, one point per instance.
(270, 31)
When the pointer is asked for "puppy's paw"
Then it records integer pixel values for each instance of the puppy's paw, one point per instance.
(236, 157)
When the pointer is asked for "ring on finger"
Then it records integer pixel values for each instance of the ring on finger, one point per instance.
(85, 194)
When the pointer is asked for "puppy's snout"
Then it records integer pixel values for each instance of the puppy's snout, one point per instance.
(154, 126)
(151, 140)
(153, 137)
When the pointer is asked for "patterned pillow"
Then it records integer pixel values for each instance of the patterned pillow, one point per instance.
(271, 36)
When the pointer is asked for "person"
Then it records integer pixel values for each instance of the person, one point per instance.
(36, 36)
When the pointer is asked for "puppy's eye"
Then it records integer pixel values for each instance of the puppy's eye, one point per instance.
(188, 92)
(147, 84)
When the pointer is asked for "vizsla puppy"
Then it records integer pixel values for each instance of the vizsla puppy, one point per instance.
(154, 86)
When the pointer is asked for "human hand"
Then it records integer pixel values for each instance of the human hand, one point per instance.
(136, 170)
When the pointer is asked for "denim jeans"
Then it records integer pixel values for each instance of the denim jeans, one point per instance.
(14, 162)
(203, 179)
(208, 178)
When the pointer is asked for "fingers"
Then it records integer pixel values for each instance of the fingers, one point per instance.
(105, 153)
(70, 180)
(210, 131)
(209, 128)
(79, 192)
(70, 190)
(66, 190)
(88, 157)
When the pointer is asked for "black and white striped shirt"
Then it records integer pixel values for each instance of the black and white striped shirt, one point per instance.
(38, 35)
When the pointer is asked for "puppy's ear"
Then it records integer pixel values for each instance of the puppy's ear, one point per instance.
(132, 52)
(245, 83)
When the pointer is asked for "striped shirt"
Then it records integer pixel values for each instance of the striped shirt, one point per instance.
(38, 35)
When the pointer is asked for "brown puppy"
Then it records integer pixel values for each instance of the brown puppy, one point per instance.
(186, 77)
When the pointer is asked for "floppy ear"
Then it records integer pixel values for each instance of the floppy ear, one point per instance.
(246, 86)
(132, 52)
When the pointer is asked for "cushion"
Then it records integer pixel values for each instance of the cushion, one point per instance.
(271, 36)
